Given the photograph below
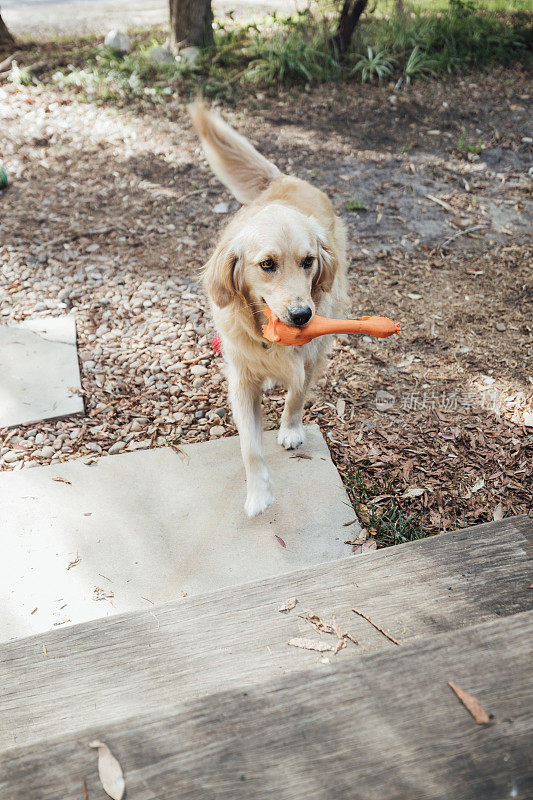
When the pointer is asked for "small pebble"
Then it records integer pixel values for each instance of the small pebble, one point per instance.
(500, 326)
(13, 456)
(116, 448)
(93, 447)
(217, 430)
(199, 414)
(197, 369)
(221, 412)
(47, 451)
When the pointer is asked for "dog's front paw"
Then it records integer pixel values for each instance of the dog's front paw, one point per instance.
(292, 436)
(258, 500)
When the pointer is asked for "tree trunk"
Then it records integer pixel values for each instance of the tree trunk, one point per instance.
(400, 10)
(5, 36)
(351, 11)
(191, 23)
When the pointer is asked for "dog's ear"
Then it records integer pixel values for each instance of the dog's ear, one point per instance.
(219, 276)
(327, 265)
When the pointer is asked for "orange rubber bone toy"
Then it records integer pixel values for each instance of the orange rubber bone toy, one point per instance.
(288, 335)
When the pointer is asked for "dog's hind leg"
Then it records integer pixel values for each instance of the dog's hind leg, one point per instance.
(245, 397)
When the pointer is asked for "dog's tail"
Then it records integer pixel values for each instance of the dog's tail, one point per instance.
(232, 158)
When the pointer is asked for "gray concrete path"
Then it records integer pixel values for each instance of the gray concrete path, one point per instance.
(129, 531)
(39, 371)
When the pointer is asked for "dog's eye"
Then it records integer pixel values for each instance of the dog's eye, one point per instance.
(268, 265)
(308, 262)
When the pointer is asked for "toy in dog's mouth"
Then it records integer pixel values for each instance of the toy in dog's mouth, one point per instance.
(288, 315)
(285, 335)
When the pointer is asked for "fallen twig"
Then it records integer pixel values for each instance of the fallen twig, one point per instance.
(189, 194)
(79, 234)
(6, 63)
(356, 541)
(472, 705)
(376, 626)
(111, 403)
(442, 203)
(198, 358)
(179, 449)
(458, 234)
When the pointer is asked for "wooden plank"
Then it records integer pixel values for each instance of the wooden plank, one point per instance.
(109, 669)
(385, 725)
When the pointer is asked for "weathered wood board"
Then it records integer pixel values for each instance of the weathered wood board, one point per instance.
(107, 670)
(376, 727)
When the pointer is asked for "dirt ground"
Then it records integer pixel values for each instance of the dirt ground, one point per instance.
(109, 215)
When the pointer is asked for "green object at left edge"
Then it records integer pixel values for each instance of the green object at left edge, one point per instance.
(3, 177)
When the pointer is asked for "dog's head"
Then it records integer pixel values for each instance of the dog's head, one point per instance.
(278, 255)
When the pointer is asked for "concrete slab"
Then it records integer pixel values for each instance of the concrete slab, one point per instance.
(141, 528)
(38, 367)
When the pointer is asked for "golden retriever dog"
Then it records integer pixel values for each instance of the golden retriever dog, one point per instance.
(284, 246)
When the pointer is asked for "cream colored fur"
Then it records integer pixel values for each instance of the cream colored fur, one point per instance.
(286, 220)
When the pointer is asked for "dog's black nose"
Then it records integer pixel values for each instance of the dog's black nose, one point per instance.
(300, 315)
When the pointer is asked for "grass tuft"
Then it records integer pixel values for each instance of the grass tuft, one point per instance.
(384, 519)
(353, 204)
(465, 145)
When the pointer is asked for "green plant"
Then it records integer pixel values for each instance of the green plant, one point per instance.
(466, 145)
(289, 48)
(376, 64)
(390, 524)
(396, 526)
(353, 204)
(20, 75)
(453, 39)
(288, 58)
(418, 65)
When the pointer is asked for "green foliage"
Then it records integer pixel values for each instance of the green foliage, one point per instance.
(418, 65)
(375, 64)
(392, 524)
(288, 58)
(458, 39)
(462, 8)
(397, 526)
(466, 145)
(107, 75)
(20, 75)
(291, 48)
(353, 204)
